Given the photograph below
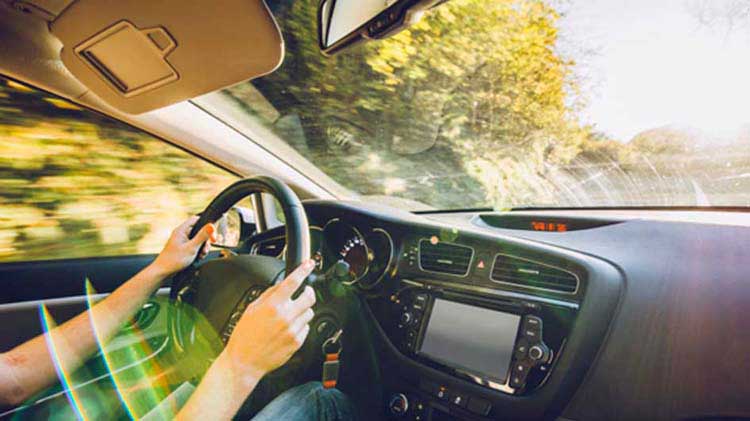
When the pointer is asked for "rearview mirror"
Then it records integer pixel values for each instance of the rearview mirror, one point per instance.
(342, 23)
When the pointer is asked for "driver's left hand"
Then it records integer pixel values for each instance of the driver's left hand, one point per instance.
(180, 251)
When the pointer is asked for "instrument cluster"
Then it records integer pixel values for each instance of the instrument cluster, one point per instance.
(368, 255)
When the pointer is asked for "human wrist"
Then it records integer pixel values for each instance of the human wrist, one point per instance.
(157, 270)
(243, 376)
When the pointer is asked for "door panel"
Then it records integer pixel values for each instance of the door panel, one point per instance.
(58, 284)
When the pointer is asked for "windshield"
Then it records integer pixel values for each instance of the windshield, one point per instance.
(523, 103)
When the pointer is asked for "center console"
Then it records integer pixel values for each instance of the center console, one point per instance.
(504, 344)
(507, 345)
(466, 343)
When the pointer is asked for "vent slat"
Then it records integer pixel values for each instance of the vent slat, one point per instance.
(451, 259)
(532, 275)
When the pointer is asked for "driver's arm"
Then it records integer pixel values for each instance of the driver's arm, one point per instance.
(29, 367)
(270, 330)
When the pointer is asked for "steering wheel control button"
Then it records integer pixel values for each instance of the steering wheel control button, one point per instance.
(398, 404)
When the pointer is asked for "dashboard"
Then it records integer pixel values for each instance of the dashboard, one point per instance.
(368, 252)
(544, 315)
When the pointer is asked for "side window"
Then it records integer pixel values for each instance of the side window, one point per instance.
(74, 183)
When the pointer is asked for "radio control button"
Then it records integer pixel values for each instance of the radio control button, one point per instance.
(532, 323)
(522, 347)
(531, 334)
(518, 375)
(517, 382)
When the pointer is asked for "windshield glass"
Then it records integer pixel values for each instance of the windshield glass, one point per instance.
(523, 103)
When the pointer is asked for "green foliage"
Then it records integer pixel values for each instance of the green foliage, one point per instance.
(452, 112)
(76, 184)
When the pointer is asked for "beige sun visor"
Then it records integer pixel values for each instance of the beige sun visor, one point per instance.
(140, 55)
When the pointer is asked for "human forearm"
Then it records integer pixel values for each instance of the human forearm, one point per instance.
(220, 393)
(30, 366)
(270, 330)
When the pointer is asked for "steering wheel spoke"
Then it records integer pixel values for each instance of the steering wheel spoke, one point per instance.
(213, 290)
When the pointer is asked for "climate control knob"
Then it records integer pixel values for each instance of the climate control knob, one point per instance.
(398, 405)
(406, 318)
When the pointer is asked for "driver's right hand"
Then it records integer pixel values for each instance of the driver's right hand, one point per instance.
(272, 327)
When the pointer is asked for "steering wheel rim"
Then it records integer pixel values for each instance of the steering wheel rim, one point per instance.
(296, 228)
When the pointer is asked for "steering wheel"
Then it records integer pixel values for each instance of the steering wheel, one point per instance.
(210, 295)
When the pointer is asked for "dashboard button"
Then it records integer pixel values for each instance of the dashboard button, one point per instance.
(442, 393)
(518, 375)
(459, 399)
(420, 301)
(531, 334)
(520, 368)
(532, 323)
(522, 347)
(517, 382)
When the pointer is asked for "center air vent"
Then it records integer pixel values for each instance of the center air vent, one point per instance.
(530, 274)
(446, 258)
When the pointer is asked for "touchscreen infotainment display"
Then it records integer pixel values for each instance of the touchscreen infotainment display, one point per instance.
(472, 338)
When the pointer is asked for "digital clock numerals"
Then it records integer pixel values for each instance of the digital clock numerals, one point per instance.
(549, 226)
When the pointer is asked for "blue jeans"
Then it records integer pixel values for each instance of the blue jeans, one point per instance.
(309, 401)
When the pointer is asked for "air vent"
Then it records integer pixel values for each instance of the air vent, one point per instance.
(530, 274)
(445, 258)
(271, 247)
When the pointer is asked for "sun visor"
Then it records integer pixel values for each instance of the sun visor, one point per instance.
(140, 55)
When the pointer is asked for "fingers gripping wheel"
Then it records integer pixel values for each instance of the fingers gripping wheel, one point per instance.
(297, 230)
(211, 287)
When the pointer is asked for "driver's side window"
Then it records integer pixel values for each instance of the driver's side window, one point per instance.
(75, 183)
